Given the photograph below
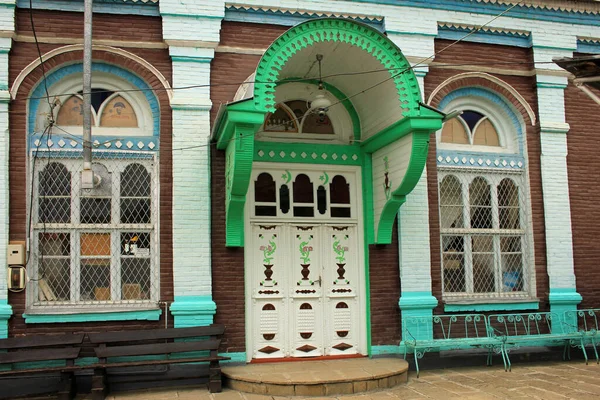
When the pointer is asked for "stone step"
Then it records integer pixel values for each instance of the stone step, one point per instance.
(317, 378)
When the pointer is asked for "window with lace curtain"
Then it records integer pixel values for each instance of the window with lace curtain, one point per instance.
(483, 209)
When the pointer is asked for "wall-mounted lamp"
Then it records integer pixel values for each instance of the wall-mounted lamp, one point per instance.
(16, 278)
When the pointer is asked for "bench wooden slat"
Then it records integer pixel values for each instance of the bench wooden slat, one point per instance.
(39, 355)
(158, 348)
(26, 342)
(158, 362)
(156, 334)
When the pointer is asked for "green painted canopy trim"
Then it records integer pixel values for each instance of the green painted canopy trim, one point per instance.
(235, 130)
(338, 94)
(335, 30)
(307, 153)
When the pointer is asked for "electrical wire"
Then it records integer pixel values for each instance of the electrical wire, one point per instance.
(404, 70)
(296, 80)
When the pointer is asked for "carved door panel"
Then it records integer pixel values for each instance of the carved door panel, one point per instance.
(306, 303)
(268, 276)
(341, 265)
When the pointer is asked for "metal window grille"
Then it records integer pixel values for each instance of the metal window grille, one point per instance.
(98, 247)
(484, 234)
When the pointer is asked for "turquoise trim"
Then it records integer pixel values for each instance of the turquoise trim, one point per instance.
(388, 31)
(148, 315)
(385, 350)
(189, 311)
(537, 46)
(502, 38)
(588, 46)
(5, 313)
(100, 6)
(285, 18)
(545, 85)
(417, 301)
(39, 92)
(193, 107)
(527, 305)
(235, 357)
(519, 11)
(564, 296)
(203, 60)
(193, 16)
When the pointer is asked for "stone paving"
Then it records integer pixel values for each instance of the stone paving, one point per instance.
(543, 380)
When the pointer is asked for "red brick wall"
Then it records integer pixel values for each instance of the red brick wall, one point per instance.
(583, 116)
(384, 274)
(486, 55)
(22, 53)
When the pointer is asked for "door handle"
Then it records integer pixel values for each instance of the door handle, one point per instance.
(318, 280)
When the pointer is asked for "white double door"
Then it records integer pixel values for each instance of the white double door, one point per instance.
(304, 281)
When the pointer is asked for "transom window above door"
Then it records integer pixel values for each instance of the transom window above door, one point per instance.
(296, 117)
(310, 194)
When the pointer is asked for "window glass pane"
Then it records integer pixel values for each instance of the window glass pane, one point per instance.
(71, 112)
(481, 204)
(304, 212)
(54, 271)
(315, 123)
(135, 181)
(339, 190)
(454, 132)
(453, 263)
(483, 264)
(265, 211)
(118, 113)
(98, 97)
(281, 121)
(321, 199)
(54, 194)
(95, 210)
(284, 199)
(508, 205)
(135, 265)
(486, 134)
(451, 203)
(471, 118)
(264, 189)
(95, 279)
(135, 195)
(512, 264)
(341, 212)
(303, 190)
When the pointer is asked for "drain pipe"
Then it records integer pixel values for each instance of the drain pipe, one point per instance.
(87, 175)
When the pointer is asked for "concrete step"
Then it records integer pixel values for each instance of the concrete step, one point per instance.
(317, 378)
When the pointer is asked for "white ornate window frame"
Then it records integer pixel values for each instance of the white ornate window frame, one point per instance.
(469, 161)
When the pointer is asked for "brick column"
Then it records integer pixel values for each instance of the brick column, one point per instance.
(6, 26)
(191, 29)
(555, 187)
(416, 40)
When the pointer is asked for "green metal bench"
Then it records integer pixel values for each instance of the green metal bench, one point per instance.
(533, 329)
(585, 322)
(449, 332)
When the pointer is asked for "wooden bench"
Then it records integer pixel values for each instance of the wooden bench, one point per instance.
(449, 332)
(533, 329)
(165, 344)
(586, 323)
(63, 349)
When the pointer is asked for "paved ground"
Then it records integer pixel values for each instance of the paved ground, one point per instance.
(543, 380)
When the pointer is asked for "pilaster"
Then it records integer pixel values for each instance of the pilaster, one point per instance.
(191, 29)
(7, 28)
(551, 83)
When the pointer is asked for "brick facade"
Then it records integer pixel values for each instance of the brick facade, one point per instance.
(582, 114)
(23, 53)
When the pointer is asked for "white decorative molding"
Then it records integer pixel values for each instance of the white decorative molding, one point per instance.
(77, 47)
(490, 78)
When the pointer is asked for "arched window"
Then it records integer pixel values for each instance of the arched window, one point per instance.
(95, 247)
(470, 128)
(482, 183)
(296, 117)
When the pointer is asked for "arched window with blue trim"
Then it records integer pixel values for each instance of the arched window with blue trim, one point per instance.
(483, 200)
(94, 248)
